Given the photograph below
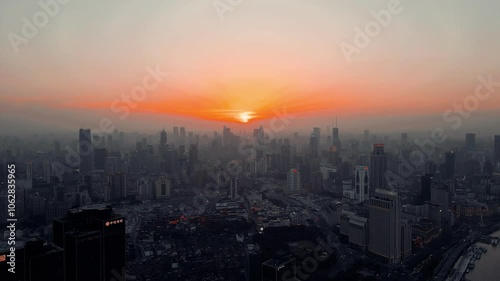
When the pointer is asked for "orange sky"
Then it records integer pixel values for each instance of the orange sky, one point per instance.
(262, 57)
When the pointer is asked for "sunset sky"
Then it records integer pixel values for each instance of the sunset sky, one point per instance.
(259, 57)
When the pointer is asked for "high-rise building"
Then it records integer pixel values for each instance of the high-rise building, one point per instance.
(366, 136)
(336, 140)
(176, 134)
(317, 133)
(100, 156)
(378, 168)
(83, 255)
(85, 151)
(425, 187)
(116, 186)
(293, 180)
(92, 236)
(470, 142)
(162, 188)
(226, 136)
(29, 170)
(361, 183)
(385, 225)
(193, 158)
(34, 262)
(182, 135)
(282, 267)
(313, 146)
(496, 152)
(404, 138)
(449, 165)
(232, 192)
(252, 263)
(440, 194)
(285, 157)
(163, 138)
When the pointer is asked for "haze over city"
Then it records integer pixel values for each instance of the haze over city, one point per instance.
(249, 140)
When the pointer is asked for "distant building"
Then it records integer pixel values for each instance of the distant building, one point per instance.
(293, 180)
(361, 183)
(404, 139)
(313, 146)
(449, 165)
(336, 140)
(162, 188)
(85, 151)
(470, 142)
(496, 152)
(425, 187)
(116, 186)
(163, 138)
(378, 168)
(100, 155)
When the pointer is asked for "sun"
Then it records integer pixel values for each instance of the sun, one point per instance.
(246, 116)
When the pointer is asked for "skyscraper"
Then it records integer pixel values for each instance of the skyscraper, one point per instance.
(116, 186)
(100, 156)
(449, 165)
(232, 192)
(404, 138)
(378, 168)
(336, 140)
(182, 135)
(163, 138)
(162, 188)
(285, 157)
(85, 151)
(193, 158)
(313, 146)
(317, 133)
(361, 183)
(226, 136)
(496, 151)
(385, 225)
(425, 187)
(176, 134)
(92, 234)
(470, 142)
(293, 180)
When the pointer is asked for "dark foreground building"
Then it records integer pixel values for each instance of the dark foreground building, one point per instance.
(93, 239)
(35, 261)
